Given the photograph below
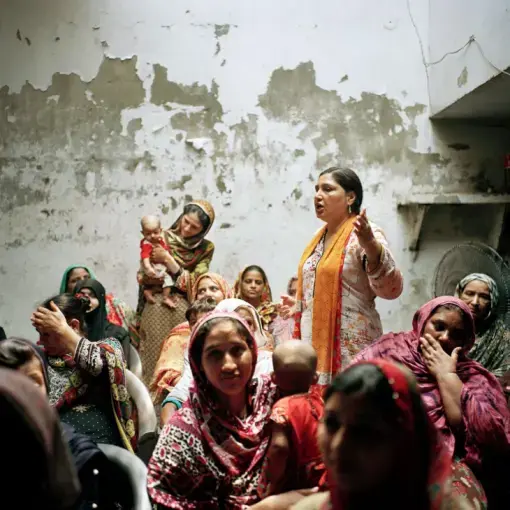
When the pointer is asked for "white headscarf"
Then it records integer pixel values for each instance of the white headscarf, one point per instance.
(231, 305)
(493, 288)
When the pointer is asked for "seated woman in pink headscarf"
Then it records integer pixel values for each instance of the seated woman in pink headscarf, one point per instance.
(464, 401)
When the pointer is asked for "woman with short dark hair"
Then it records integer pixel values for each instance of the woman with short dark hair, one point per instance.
(344, 268)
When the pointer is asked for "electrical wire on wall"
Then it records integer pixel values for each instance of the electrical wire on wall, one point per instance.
(427, 65)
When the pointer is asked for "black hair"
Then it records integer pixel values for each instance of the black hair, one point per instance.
(368, 380)
(198, 344)
(255, 268)
(71, 306)
(15, 352)
(202, 216)
(466, 320)
(205, 305)
(349, 181)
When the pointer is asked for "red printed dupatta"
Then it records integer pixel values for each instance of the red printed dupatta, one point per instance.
(207, 458)
(409, 471)
(70, 385)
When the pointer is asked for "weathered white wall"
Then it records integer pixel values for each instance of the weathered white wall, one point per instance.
(100, 102)
(452, 23)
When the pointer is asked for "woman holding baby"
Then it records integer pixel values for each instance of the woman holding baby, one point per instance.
(187, 257)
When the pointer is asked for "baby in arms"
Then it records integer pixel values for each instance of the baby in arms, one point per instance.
(153, 236)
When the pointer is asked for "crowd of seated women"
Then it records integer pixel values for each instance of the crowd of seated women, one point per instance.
(300, 402)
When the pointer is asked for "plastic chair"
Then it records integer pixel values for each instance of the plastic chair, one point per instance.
(134, 469)
(135, 363)
(147, 419)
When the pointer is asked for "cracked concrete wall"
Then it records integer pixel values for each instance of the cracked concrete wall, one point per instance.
(452, 24)
(110, 110)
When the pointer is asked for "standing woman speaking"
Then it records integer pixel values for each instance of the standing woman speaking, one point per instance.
(344, 268)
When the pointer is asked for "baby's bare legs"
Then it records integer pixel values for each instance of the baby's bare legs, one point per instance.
(167, 298)
(148, 295)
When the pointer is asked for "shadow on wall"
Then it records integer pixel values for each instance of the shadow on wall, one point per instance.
(476, 154)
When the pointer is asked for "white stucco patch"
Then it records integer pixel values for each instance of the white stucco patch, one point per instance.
(80, 199)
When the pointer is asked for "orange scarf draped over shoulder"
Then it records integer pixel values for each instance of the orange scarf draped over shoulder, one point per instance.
(327, 296)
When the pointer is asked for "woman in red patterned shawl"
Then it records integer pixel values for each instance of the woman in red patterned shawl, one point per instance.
(210, 453)
(464, 401)
(379, 447)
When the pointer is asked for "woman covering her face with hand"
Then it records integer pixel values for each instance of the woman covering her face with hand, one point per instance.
(87, 379)
(464, 401)
(96, 318)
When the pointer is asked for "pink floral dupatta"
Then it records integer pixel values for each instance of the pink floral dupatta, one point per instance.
(486, 419)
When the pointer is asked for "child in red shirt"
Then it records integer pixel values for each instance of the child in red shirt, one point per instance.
(152, 236)
(293, 460)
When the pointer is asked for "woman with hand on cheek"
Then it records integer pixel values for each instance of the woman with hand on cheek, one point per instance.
(87, 379)
(464, 401)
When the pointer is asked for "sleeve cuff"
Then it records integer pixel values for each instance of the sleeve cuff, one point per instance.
(171, 400)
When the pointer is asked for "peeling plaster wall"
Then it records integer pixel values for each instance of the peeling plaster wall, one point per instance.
(452, 23)
(112, 110)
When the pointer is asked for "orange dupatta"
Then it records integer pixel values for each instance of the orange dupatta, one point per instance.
(327, 297)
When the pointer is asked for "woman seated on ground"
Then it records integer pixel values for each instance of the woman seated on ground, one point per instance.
(492, 345)
(170, 365)
(464, 401)
(180, 393)
(210, 453)
(99, 480)
(87, 379)
(379, 447)
(37, 471)
(118, 312)
(97, 324)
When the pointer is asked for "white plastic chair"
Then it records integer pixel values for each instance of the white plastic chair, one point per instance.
(135, 363)
(147, 419)
(136, 471)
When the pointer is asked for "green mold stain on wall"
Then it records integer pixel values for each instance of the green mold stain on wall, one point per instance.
(375, 128)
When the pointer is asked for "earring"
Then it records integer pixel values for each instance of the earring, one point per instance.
(350, 209)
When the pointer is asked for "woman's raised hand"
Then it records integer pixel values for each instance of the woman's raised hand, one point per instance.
(437, 361)
(49, 321)
(363, 230)
(287, 308)
(159, 255)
